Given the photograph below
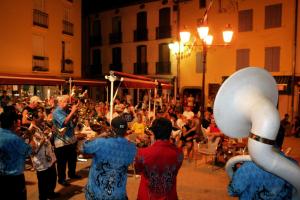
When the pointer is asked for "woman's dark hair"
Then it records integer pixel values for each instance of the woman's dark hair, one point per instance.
(8, 117)
(162, 128)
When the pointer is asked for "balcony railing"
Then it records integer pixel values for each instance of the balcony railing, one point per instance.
(67, 66)
(163, 32)
(141, 68)
(95, 40)
(40, 63)
(141, 35)
(40, 18)
(116, 67)
(163, 68)
(115, 38)
(68, 28)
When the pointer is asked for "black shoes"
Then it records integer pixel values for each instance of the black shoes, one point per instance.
(64, 183)
(75, 177)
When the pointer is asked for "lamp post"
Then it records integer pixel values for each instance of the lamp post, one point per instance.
(184, 47)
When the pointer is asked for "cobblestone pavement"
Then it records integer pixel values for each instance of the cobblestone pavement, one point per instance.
(200, 182)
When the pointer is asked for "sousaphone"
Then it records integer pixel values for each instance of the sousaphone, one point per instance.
(245, 105)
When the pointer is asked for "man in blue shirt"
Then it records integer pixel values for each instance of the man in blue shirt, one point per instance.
(108, 173)
(252, 182)
(65, 141)
(13, 152)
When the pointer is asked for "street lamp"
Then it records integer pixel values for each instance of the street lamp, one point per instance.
(182, 48)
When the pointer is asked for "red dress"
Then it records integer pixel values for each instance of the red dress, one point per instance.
(159, 165)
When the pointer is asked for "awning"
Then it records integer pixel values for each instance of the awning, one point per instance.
(8, 79)
(135, 83)
(122, 74)
(86, 82)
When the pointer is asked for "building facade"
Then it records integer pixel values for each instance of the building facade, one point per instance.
(135, 39)
(41, 38)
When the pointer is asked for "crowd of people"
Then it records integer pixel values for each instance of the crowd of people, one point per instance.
(48, 132)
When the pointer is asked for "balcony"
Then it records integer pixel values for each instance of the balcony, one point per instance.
(40, 18)
(68, 28)
(67, 66)
(40, 64)
(141, 68)
(140, 35)
(163, 32)
(95, 40)
(163, 68)
(115, 38)
(116, 67)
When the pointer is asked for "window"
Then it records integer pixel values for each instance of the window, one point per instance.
(116, 35)
(245, 20)
(97, 66)
(272, 59)
(164, 65)
(95, 33)
(116, 59)
(141, 21)
(273, 16)
(242, 58)
(40, 17)
(141, 32)
(140, 67)
(202, 3)
(67, 62)
(164, 29)
(116, 24)
(68, 26)
(39, 61)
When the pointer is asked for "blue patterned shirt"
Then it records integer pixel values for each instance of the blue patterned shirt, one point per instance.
(59, 116)
(108, 172)
(252, 182)
(13, 152)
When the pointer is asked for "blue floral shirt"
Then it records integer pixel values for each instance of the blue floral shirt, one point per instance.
(59, 116)
(252, 182)
(13, 152)
(108, 172)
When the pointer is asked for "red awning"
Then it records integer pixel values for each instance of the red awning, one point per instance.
(95, 83)
(122, 74)
(8, 79)
(166, 86)
(135, 83)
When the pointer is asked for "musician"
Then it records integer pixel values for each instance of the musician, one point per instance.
(250, 181)
(30, 110)
(65, 141)
(13, 151)
(159, 164)
(112, 155)
(43, 157)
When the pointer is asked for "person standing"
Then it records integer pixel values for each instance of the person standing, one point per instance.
(159, 164)
(65, 141)
(13, 152)
(43, 158)
(4, 99)
(30, 110)
(112, 156)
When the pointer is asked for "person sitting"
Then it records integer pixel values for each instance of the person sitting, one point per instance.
(159, 164)
(112, 156)
(13, 152)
